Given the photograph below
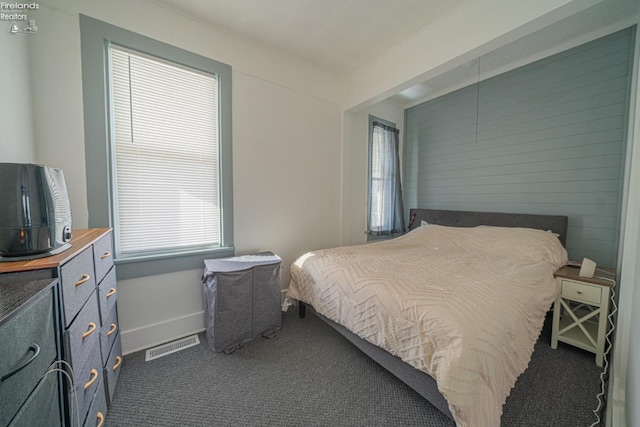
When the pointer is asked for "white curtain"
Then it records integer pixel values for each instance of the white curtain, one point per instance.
(386, 214)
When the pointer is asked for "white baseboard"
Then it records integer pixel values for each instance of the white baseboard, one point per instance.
(615, 408)
(617, 416)
(159, 333)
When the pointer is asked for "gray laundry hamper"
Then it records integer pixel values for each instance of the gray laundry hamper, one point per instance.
(242, 299)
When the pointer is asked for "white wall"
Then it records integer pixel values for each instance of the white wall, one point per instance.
(57, 108)
(632, 371)
(355, 166)
(625, 385)
(286, 150)
(16, 137)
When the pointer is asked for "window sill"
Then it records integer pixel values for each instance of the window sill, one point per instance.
(150, 265)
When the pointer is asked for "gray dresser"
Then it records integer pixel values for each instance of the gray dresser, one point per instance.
(88, 322)
(29, 345)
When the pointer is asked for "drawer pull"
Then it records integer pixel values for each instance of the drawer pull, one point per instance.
(118, 363)
(579, 292)
(85, 279)
(112, 329)
(100, 417)
(92, 328)
(105, 255)
(94, 377)
(111, 292)
(35, 348)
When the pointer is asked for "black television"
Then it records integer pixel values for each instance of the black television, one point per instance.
(35, 212)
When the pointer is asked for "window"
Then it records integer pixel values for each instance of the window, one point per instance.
(386, 216)
(166, 154)
(158, 150)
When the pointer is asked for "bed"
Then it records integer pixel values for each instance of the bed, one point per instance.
(453, 307)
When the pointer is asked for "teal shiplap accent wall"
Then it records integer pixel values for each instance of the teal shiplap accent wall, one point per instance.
(551, 139)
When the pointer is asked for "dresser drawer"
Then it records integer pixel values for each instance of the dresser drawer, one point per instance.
(32, 346)
(108, 294)
(84, 334)
(581, 292)
(112, 368)
(43, 406)
(78, 282)
(108, 333)
(98, 409)
(103, 256)
(88, 380)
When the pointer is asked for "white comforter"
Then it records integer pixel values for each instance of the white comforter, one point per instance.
(465, 305)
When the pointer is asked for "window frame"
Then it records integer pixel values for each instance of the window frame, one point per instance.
(96, 36)
(372, 119)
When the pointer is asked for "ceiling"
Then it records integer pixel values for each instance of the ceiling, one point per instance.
(340, 36)
(335, 35)
(591, 23)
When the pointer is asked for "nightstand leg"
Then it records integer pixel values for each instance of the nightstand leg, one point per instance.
(556, 323)
(602, 327)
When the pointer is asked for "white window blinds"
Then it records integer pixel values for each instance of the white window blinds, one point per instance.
(166, 161)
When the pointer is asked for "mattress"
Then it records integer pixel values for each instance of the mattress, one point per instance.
(464, 305)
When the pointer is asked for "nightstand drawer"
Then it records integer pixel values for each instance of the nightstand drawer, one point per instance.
(581, 292)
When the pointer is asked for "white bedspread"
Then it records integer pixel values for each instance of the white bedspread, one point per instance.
(465, 305)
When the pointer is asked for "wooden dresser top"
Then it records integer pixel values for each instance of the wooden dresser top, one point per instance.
(82, 238)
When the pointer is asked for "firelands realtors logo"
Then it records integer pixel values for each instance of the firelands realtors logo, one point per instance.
(17, 14)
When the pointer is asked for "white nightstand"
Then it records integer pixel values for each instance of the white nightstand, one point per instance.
(580, 311)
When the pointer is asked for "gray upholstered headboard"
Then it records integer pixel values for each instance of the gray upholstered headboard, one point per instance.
(555, 223)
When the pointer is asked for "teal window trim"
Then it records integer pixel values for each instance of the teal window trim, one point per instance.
(96, 36)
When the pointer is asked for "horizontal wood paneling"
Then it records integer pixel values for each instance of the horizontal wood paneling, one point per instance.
(546, 138)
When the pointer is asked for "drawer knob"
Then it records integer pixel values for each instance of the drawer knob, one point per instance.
(105, 255)
(85, 279)
(111, 292)
(118, 363)
(100, 417)
(579, 292)
(35, 348)
(94, 377)
(112, 329)
(92, 328)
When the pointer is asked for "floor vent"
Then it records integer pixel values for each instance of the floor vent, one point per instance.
(171, 347)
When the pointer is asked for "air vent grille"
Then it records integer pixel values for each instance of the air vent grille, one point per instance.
(171, 347)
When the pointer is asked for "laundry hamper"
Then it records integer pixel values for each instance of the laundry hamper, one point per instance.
(242, 299)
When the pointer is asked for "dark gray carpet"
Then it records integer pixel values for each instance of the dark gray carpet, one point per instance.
(310, 375)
